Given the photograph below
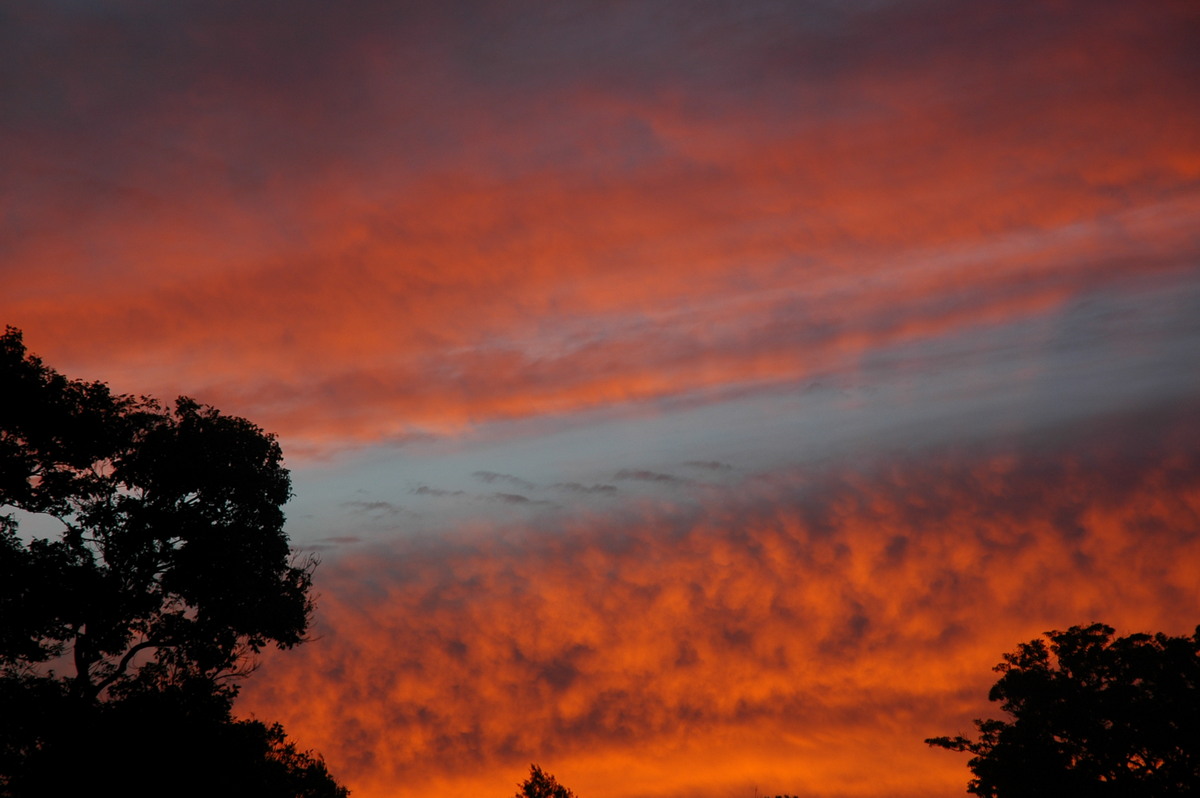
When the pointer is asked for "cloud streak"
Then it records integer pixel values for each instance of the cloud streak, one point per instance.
(742, 243)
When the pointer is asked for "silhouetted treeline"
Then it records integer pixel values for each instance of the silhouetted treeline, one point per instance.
(181, 741)
(119, 635)
(1091, 715)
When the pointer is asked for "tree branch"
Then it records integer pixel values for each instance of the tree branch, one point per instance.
(123, 664)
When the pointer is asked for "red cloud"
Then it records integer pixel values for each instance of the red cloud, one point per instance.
(803, 634)
(673, 247)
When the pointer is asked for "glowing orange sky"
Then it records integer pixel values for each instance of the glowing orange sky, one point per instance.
(689, 397)
(802, 633)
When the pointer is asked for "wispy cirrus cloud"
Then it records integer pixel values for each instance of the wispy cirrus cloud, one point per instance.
(646, 475)
(374, 507)
(742, 242)
(492, 477)
(603, 489)
(709, 465)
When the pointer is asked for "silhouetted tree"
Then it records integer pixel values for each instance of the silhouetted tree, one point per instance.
(1091, 716)
(168, 571)
(179, 741)
(541, 784)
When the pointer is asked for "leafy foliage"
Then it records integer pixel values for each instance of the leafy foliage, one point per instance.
(541, 784)
(169, 571)
(172, 561)
(179, 741)
(1091, 716)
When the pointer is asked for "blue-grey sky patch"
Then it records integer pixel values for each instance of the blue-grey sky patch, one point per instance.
(594, 489)
(708, 465)
(492, 477)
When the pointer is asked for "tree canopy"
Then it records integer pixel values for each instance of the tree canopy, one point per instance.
(172, 544)
(541, 784)
(1092, 715)
(180, 741)
(159, 568)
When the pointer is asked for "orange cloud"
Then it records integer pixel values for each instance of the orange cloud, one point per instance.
(401, 222)
(369, 347)
(667, 248)
(802, 633)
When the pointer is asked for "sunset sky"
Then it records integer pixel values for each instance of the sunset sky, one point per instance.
(695, 398)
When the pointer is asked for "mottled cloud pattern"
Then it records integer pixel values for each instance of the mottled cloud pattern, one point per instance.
(804, 633)
(695, 398)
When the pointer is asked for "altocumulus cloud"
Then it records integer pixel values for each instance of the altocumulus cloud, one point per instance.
(769, 631)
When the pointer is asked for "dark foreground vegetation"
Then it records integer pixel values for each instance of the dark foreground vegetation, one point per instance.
(123, 630)
(1092, 716)
(541, 784)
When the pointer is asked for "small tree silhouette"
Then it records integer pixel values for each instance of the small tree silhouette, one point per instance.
(541, 784)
